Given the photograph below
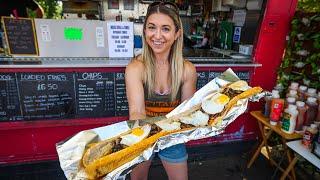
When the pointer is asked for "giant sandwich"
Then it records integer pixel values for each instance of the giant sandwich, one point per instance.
(103, 157)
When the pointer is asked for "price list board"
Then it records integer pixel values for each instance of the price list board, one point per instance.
(9, 98)
(46, 95)
(122, 108)
(95, 94)
(205, 76)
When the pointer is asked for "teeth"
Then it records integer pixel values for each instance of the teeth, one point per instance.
(157, 42)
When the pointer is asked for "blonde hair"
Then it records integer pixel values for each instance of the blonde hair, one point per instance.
(175, 56)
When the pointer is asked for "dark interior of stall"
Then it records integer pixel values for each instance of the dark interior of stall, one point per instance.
(218, 24)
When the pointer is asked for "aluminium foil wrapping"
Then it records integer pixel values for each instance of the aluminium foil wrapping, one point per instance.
(70, 151)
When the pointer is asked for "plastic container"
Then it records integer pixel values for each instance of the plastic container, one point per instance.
(294, 86)
(290, 100)
(308, 136)
(302, 92)
(302, 109)
(276, 108)
(311, 92)
(311, 111)
(267, 105)
(292, 93)
(289, 119)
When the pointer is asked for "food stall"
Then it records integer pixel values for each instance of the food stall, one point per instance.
(69, 76)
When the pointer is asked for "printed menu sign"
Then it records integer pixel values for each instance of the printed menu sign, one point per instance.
(120, 39)
(20, 35)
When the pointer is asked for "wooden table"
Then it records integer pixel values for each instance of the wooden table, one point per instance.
(298, 148)
(266, 130)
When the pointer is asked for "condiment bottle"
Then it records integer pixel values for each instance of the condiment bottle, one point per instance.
(290, 100)
(292, 93)
(308, 136)
(294, 86)
(311, 92)
(267, 105)
(289, 119)
(311, 111)
(302, 109)
(276, 107)
(302, 92)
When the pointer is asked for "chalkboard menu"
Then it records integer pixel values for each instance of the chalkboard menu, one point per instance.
(205, 76)
(68, 95)
(20, 35)
(121, 97)
(9, 98)
(46, 95)
(95, 94)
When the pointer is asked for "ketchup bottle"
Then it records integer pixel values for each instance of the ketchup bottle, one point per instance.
(277, 105)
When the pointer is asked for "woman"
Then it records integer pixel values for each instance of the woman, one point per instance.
(159, 79)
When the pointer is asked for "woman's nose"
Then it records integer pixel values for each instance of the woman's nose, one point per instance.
(158, 34)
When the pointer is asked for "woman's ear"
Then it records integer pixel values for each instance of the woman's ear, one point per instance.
(178, 34)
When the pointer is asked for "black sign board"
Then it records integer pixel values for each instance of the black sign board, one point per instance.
(20, 35)
(95, 94)
(122, 108)
(46, 95)
(9, 98)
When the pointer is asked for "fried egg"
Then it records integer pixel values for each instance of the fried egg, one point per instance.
(239, 85)
(168, 125)
(215, 104)
(197, 119)
(137, 135)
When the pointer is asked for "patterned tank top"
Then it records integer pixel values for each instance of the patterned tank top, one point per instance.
(158, 104)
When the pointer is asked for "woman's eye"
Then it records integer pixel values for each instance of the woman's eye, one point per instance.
(151, 27)
(165, 29)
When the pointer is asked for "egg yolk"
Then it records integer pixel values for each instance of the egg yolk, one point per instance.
(137, 131)
(222, 99)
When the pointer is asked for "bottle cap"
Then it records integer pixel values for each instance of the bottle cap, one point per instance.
(302, 88)
(275, 94)
(294, 85)
(291, 106)
(312, 99)
(313, 126)
(311, 91)
(291, 100)
(292, 92)
(300, 103)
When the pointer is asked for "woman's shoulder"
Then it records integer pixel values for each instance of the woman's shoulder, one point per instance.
(135, 69)
(188, 66)
(136, 63)
(189, 69)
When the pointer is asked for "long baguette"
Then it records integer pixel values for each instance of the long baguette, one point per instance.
(233, 101)
(104, 163)
(100, 149)
(108, 163)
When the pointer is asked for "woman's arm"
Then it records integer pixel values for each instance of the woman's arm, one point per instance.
(189, 81)
(134, 90)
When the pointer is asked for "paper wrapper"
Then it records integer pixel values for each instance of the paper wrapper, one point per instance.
(71, 151)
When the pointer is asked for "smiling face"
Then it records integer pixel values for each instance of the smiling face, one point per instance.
(160, 33)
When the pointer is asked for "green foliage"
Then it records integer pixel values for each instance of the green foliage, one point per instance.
(301, 62)
(309, 5)
(52, 8)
